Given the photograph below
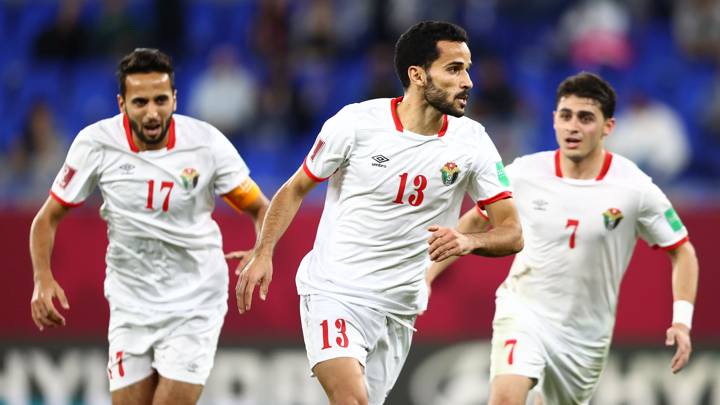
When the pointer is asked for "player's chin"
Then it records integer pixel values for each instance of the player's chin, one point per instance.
(457, 111)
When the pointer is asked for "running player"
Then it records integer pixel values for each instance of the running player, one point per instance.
(582, 209)
(396, 168)
(166, 278)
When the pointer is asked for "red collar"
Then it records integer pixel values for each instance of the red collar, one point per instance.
(131, 140)
(399, 126)
(600, 176)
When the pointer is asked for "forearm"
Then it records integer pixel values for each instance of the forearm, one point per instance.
(685, 272)
(277, 219)
(500, 241)
(42, 240)
(471, 222)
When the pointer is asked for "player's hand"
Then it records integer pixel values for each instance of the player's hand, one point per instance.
(445, 242)
(243, 255)
(42, 309)
(679, 335)
(257, 272)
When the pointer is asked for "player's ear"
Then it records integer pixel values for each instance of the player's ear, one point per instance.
(121, 103)
(609, 126)
(174, 100)
(417, 75)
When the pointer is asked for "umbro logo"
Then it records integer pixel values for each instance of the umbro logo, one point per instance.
(380, 159)
(127, 168)
(540, 205)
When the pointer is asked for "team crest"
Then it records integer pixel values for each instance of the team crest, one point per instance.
(449, 173)
(189, 178)
(612, 218)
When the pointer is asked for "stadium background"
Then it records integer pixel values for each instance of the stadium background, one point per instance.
(293, 64)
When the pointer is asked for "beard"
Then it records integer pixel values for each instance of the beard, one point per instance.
(441, 101)
(138, 130)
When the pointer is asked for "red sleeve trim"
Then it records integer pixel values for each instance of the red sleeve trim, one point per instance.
(313, 177)
(673, 246)
(63, 202)
(501, 196)
(480, 211)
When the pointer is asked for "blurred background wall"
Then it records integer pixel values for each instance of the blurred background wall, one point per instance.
(268, 73)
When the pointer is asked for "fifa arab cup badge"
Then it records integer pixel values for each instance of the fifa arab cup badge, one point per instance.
(612, 218)
(189, 178)
(449, 173)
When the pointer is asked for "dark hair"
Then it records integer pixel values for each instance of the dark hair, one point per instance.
(589, 85)
(144, 60)
(418, 45)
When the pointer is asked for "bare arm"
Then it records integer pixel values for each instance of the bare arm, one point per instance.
(280, 214)
(685, 271)
(248, 199)
(505, 238)
(471, 222)
(42, 239)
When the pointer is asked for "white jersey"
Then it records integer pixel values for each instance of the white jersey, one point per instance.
(157, 205)
(387, 186)
(579, 238)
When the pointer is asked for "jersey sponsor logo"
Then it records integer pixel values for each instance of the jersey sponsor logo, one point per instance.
(450, 173)
(127, 168)
(379, 160)
(540, 205)
(502, 177)
(68, 172)
(673, 219)
(612, 218)
(189, 178)
(317, 149)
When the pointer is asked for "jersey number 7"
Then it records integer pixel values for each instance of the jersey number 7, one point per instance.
(574, 223)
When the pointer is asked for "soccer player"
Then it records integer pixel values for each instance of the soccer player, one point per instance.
(396, 168)
(582, 209)
(166, 280)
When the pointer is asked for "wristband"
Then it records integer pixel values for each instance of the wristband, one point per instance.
(683, 312)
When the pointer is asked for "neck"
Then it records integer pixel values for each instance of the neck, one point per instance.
(417, 115)
(585, 168)
(142, 146)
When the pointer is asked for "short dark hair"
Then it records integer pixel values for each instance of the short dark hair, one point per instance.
(589, 85)
(418, 45)
(144, 60)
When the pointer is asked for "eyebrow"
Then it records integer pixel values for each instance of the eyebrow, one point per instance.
(457, 62)
(579, 112)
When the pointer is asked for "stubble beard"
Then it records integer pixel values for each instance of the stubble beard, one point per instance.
(439, 99)
(138, 130)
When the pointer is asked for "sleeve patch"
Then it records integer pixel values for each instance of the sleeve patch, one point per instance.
(67, 175)
(502, 177)
(318, 148)
(673, 219)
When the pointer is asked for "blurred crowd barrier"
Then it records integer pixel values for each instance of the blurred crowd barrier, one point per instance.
(261, 360)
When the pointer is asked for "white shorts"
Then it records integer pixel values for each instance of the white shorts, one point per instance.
(379, 341)
(178, 345)
(523, 344)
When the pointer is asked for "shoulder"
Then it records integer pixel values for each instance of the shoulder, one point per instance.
(191, 131)
(467, 133)
(366, 111)
(539, 164)
(624, 170)
(108, 131)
